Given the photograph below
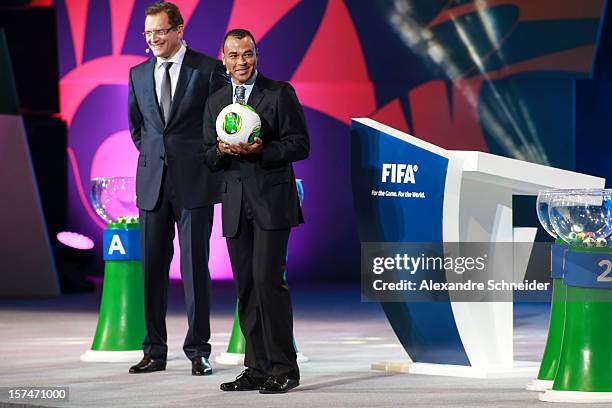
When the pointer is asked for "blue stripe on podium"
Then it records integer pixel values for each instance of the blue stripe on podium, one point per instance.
(385, 164)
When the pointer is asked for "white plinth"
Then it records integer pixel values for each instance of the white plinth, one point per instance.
(539, 385)
(230, 359)
(518, 370)
(238, 359)
(576, 396)
(104, 356)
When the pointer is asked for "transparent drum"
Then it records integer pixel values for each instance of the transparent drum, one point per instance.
(114, 198)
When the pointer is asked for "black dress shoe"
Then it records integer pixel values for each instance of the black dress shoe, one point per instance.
(200, 366)
(244, 382)
(148, 365)
(278, 385)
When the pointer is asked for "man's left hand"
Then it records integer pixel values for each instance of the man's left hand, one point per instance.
(243, 148)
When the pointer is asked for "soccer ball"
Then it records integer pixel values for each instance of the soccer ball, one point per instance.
(588, 241)
(237, 123)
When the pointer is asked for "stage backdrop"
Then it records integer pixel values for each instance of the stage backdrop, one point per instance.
(490, 75)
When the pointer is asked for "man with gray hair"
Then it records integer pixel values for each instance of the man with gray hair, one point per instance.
(167, 94)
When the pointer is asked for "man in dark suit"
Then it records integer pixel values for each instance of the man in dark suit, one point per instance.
(167, 94)
(260, 205)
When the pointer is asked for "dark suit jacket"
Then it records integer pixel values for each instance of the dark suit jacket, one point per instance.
(267, 179)
(180, 140)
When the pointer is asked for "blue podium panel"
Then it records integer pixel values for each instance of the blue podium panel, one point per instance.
(588, 269)
(121, 244)
(398, 193)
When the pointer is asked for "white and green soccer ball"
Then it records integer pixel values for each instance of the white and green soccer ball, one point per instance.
(237, 123)
(589, 242)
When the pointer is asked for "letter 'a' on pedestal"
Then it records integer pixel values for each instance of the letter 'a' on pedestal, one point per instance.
(121, 323)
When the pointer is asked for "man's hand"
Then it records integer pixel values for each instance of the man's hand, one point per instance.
(224, 148)
(243, 148)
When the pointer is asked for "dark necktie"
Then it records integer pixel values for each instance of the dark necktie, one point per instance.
(166, 92)
(240, 93)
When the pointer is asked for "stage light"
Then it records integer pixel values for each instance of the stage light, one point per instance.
(75, 240)
(75, 260)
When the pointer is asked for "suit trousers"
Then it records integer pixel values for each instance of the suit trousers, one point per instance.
(258, 260)
(156, 239)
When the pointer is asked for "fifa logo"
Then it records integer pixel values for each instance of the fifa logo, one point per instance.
(399, 172)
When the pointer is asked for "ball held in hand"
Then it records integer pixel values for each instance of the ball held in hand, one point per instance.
(237, 123)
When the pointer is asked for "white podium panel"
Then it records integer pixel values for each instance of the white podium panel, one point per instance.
(465, 197)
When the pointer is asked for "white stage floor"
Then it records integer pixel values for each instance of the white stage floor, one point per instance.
(41, 341)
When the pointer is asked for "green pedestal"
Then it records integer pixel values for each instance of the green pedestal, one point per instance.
(237, 343)
(237, 346)
(584, 372)
(586, 356)
(121, 323)
(550, 359)
(552, 350)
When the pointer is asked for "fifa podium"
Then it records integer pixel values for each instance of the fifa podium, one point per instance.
(466, 196)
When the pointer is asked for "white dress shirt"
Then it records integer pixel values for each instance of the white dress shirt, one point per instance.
(248, 85)
(175, 69)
